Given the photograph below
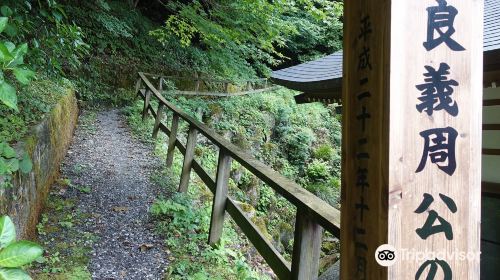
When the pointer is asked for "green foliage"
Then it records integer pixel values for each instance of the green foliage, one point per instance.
(11, 62)
(7, 231)
(272, 127)
(299, 143)
(211, 40)
(65, 258)
(113, 25)
(318, 29)
(185, 226)
(329, 190)
(11, 162)
(324, 152)
(14, 255)
(318, 171)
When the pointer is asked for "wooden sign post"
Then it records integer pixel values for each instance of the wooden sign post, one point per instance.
(412, 139)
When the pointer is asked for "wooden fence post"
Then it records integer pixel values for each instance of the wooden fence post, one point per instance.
(159, 116)
(171, 140)
(197, 85)
(188, 159)
(220, 197)
(306, 247)
(147, 99)
(138, 86)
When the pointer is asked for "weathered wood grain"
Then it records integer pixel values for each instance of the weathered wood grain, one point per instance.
(408, 60)
(273, 258)
(158, 117)
(220, 198)
(188, 159)
(172, 138)
(306, 247)
(147, 99)
(387, 153)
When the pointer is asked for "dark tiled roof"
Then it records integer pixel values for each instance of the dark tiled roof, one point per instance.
(326, 68)
(491, 25)
(330, 67)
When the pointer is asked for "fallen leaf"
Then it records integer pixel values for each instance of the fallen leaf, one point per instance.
(145, 247)
(120, 209)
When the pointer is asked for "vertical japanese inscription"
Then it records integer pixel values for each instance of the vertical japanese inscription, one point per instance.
(363, 96)
(436, 97)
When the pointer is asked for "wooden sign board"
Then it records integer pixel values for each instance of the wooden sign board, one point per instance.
(412, 138)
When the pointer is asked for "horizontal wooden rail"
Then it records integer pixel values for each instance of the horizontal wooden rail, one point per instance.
(491, 126)
(248, 86)
(491, 189)
(311, 210)
(491, 152)
(202, 79)
(221, 94)
(491, 102)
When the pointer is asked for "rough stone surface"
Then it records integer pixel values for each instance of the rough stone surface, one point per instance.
(46, 144)
(333, 273)
(117, 169)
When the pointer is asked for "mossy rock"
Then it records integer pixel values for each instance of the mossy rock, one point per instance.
(248, 209)
(260, 223)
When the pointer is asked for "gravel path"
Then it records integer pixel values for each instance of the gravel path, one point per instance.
(116, 167)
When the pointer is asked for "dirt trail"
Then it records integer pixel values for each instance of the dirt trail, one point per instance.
(115, 169)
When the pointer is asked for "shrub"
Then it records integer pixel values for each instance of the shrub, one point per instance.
(318, 171)
(327, 191)
(299, 142)
(324, 152)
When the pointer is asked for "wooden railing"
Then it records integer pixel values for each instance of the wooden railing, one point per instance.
(313, 214)
(216, 87)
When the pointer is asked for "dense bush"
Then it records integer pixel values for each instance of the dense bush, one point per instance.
(318, 171)
(324, 152)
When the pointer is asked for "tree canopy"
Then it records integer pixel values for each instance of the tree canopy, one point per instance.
(245, 38)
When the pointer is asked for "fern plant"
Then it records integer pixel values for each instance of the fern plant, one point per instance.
(15, 254)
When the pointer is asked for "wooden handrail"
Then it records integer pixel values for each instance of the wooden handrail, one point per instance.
(202, 79)
(312, 212)
(329, 219)
(491, 102)
(491, 189)
(491, 126)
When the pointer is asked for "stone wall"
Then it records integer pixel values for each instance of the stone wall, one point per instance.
(46, 144)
